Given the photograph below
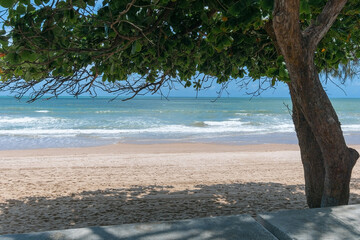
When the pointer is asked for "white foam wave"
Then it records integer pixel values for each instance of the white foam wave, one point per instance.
(351, 127)
(167, 129)
(234, 119)
(236, 125)
(231, 122)
(18, 120)
(104, 111)
(243, 114)
(42, 111)
(282, 128)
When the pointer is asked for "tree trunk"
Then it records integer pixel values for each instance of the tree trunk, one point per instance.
(325, 156)
(327, 160)
(311, 157)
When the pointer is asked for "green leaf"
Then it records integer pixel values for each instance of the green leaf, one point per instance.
(267, 4)
(28, 56)
(38, 2)
(242, 73)
(136, 47)
(79, 3)
(30, 8)
(272, 71)
(225, 42)
(150, 78)
(7, 3)
(112, 69)
(104, 78)
(27, 76)
(283, 73)
(71, 13)
(237, 8)
(357, 54)
(12, 57)
(21, 9)
(216, 30)
(305, 7)
(234, 70)
(280, 60)
(204, 17)
(273, 82)
(26, 2)
(18, 72)
(91, 3)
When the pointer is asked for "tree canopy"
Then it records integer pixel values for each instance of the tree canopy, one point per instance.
(70, 45)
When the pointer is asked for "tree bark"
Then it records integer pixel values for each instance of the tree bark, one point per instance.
(318, 124)
(325, 156)
(311, 156)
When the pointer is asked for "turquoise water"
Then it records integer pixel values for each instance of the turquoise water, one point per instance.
(69, 122)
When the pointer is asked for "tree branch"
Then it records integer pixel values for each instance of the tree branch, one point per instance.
(286, 25)
(317, 30)
(270, 31)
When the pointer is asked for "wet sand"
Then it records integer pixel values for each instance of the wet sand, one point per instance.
(48, 189)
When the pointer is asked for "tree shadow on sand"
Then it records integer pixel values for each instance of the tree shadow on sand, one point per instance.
(149, 204)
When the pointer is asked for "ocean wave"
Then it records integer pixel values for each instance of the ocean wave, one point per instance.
(351, 127)
(166, 129)
(57, 127)
(105, 111)
(17, 120)
(199, 124)
(42, 111)
(229, 123)
(243, 114)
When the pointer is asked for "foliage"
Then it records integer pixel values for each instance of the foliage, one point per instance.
(65, 42)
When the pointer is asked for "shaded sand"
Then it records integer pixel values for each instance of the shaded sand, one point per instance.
(51, 189)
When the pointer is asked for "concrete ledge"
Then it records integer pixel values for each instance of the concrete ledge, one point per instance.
(336, 223)
(227, 227)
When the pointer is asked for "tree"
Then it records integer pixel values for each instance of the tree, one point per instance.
(68, 45)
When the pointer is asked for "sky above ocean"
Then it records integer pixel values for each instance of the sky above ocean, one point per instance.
(351, 89)
(235, 88)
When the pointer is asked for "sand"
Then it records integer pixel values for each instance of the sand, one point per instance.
(48, 189)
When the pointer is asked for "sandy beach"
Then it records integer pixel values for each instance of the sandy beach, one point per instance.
(48, 189)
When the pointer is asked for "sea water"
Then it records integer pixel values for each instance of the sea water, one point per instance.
(70, 122)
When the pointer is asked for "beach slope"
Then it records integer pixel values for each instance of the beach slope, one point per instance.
(47, 189)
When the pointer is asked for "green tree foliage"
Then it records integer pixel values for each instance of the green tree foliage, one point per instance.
(76, 42)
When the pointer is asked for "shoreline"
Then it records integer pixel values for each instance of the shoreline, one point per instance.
(60, 188)
(157, 147)
(122, 148)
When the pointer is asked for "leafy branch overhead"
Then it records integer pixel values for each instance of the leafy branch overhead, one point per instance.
(157, 40)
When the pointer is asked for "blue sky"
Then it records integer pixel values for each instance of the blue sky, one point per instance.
(351, 89)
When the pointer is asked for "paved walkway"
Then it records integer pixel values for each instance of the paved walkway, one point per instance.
(311, 224)
(337, 223)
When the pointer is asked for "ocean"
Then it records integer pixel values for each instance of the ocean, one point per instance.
(82, 122)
